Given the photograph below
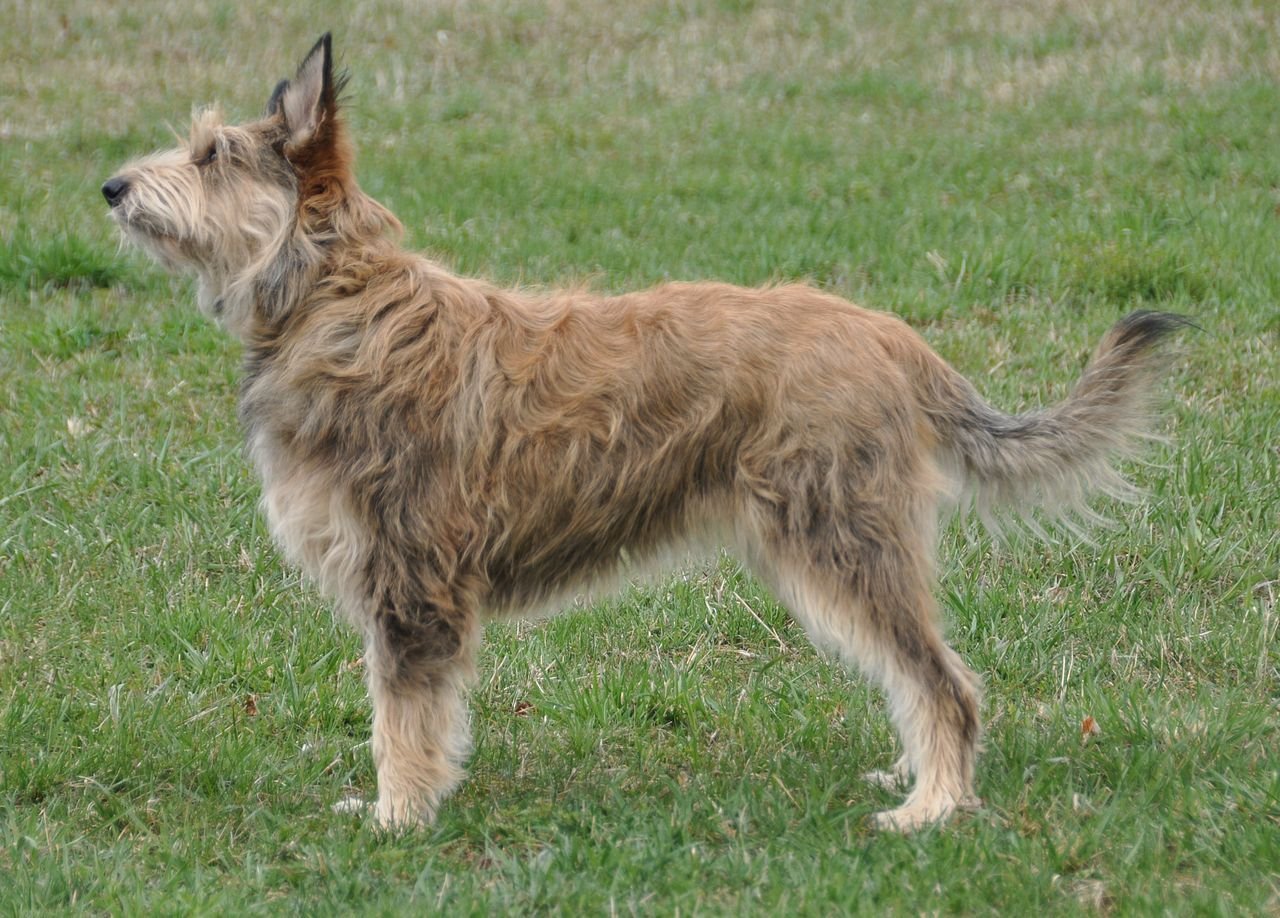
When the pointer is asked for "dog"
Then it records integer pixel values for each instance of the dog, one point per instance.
(436, 451)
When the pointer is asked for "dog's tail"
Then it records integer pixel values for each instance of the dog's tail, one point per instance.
(1054, 458)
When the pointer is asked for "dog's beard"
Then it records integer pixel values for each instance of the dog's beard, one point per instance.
(157, 240)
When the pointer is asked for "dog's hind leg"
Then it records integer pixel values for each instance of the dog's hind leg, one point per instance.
(885, 627)
(933, 698)
(864, 592)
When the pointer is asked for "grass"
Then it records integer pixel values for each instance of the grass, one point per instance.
(177, 712)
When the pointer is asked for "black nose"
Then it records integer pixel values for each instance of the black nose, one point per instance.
(114, 190)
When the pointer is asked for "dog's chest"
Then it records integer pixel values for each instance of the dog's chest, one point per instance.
(310, 517)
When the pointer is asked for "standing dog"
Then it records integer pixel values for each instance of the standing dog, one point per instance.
(436, 451)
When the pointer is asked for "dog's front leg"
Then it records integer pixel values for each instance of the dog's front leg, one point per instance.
(418, 668)
(421, 739)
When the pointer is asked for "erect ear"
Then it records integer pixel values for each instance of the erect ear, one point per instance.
(309, 102)
(275, 105)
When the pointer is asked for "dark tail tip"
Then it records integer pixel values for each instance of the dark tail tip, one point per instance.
(1147, 327)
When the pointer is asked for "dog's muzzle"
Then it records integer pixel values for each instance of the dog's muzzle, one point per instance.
(114, 190)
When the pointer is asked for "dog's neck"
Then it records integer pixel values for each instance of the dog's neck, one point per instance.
(330, 249)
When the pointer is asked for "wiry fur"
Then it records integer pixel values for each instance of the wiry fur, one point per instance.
(436, 451)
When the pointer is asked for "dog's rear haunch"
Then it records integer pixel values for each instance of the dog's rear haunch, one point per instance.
(436, 451)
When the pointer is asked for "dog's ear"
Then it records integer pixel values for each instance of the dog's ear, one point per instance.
(315, 139)
(275, 105)
(309, 102)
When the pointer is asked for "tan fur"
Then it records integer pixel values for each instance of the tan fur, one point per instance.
(436, 451)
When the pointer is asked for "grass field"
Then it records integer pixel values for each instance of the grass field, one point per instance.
(177, 712)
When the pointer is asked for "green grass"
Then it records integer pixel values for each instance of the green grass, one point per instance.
(177, 712)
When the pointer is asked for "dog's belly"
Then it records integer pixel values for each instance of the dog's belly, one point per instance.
(562, 549)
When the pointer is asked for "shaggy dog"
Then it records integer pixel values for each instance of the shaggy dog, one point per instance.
(436, 451)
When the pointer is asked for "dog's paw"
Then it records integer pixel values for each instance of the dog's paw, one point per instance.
(356, 806)
(896, 778)
(400, 815)
(907, 819)
(912, 817)
(887, 780)
(384, 814)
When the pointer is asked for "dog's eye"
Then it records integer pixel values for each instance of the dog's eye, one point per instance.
(209, 157)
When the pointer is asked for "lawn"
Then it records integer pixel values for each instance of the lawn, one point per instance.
(178, 711)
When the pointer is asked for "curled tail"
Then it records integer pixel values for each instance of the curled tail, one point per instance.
(1055, 457)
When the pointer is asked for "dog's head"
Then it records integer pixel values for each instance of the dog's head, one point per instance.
(252, 209)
